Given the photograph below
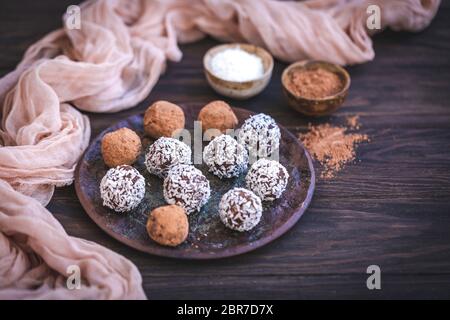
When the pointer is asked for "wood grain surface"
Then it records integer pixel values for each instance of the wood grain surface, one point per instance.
(390, 208)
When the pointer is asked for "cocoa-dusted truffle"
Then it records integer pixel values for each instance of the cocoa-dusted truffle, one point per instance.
(261, 135)
(225, 157)
(267, 179)
(217, 115)
(162, 119)
(122, 188)
(165, 153)
(187, 187)
(122, 146)
(168, 225)
(240, 209)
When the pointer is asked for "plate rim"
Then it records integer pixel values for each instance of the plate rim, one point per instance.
(168, 252)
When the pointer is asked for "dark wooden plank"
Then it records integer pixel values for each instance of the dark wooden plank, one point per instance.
(297, 287)
(390, 208)
(319, 244)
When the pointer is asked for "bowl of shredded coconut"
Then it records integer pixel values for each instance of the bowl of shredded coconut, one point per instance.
(238, 70)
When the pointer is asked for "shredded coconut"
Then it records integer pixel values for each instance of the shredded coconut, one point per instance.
(261, 135)
(225, 157)
(122, 188)
(165, 153)
(267, 179)
(187, 187)
(235, 64)
(240, 209)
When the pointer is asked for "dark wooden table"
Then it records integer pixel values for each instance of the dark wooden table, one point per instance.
(391, 208)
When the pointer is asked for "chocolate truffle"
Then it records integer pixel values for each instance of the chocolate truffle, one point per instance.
(163, 119)
(217, 115)
(267, 178)
(240, 209)
(168, 225)
(187, 187)
(165, 153)
(122, 188)
(122, 146)
(225, 157)
(261, 135)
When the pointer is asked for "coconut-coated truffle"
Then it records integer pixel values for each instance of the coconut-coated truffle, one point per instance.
(168, 225)
(240, 209)
(165, 153)
(162, 119)
(217, 115)
(122, 188)
(225, 157)
(187, 187)
(122, 146)
(267, 179)
(261, 135)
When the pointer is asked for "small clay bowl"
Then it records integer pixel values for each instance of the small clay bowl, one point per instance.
(319, 106)
(235, 89)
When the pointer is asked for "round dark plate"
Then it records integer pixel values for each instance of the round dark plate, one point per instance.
(208, 237)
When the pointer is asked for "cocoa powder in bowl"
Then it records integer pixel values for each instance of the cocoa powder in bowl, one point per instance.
(314, 83)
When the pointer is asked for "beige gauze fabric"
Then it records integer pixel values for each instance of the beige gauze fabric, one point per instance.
(111, 64)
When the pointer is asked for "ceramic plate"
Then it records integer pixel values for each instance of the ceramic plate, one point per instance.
(208, 237)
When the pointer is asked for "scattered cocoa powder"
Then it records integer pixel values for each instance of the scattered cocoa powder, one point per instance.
(313, 83)
(353, 122)
(332, 146)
